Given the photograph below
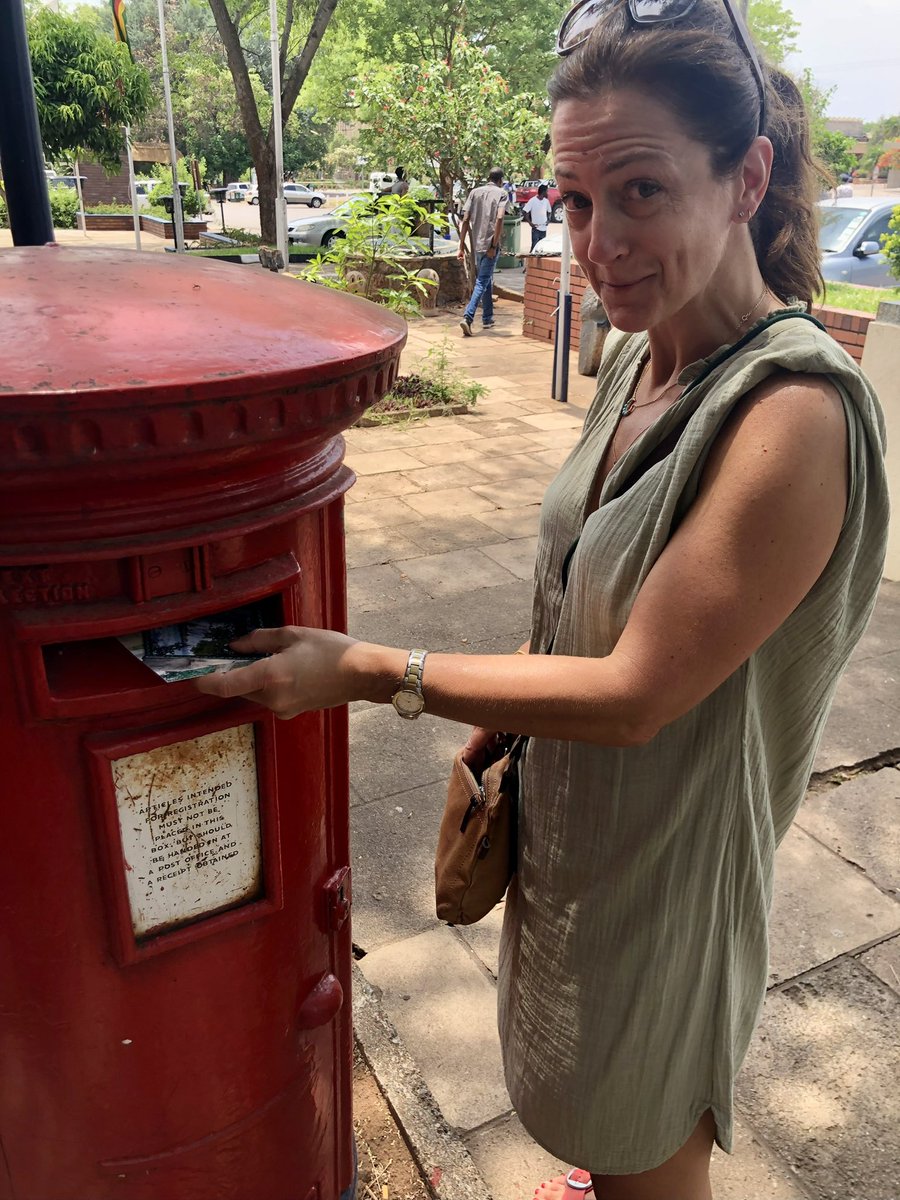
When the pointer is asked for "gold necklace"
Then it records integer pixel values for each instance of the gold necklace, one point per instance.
(629, 404)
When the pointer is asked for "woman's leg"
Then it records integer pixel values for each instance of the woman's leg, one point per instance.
(684, 1176)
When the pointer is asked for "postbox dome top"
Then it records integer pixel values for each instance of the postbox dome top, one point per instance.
(101, 323)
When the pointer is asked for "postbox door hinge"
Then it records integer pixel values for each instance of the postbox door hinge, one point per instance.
(338, 898)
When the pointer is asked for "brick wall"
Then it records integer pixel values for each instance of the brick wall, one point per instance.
(541, 284)
(103, 189)
(542, 281)
(846, 327)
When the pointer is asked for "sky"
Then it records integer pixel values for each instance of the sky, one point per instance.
(855, 45)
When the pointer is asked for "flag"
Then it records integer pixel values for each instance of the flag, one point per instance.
(118, 13)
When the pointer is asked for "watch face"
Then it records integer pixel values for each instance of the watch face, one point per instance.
(408, 703)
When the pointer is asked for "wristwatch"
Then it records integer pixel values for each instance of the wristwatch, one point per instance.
(409, 699)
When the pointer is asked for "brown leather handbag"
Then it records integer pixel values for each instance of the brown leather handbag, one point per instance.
(476, 851)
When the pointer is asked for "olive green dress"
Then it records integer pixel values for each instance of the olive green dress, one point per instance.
(634, 954)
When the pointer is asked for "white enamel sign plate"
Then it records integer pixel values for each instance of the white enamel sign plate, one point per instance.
(189, 818)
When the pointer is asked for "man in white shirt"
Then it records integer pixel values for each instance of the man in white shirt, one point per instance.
(483, 214)
(537, 213)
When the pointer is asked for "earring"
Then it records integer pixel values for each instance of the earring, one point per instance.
(741, 214)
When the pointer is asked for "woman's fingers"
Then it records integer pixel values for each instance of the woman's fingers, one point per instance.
(266, 641)
(478, 751)
(240, 682)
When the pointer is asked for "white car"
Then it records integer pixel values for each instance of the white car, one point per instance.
(240, 191)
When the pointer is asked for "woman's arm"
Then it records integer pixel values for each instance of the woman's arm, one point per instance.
(765, 522)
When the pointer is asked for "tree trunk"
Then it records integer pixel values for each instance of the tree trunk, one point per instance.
(265, 181)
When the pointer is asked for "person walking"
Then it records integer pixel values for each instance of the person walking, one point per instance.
(483, 216)
(537, 213)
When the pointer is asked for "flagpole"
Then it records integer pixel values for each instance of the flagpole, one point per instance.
(80, 195)
(173, 156)
(132, 186)
(280, 219)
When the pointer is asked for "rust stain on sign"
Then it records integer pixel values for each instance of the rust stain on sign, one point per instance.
(189, 820)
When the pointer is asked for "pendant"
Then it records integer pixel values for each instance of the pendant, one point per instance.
(627, 407)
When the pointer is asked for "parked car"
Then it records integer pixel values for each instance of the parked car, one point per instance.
(526, 190)
(240, 191)
(299, 193)
(322, 231)
(850, 233)
(62, 181)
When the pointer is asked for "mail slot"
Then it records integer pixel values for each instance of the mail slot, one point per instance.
(174, 900)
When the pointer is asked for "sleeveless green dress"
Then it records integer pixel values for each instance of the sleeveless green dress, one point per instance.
(634, 954)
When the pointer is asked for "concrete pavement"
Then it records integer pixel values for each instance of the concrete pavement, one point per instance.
(441, 530)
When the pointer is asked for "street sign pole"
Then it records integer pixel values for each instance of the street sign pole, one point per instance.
(21, 152)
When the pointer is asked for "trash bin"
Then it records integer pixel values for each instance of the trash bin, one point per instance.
(509, 246)
(175, 1019)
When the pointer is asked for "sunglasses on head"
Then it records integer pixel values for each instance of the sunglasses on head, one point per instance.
(579, 22)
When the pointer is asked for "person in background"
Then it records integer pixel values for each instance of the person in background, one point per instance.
(483, 216)
(400, 185)
(537, 213)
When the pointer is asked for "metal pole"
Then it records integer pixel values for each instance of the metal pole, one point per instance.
(80, 193)
(280, 215)
(21, 152)
(135, 211)
(560, 390)
(177, 217)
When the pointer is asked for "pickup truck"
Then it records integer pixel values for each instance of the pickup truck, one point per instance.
(529, 188)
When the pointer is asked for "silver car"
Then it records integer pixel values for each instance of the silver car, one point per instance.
(299, 193)
(850, 233)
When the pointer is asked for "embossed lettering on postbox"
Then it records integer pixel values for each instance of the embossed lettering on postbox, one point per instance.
(189, 821)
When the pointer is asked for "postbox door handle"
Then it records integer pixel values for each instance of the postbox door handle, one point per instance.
(322, 1004)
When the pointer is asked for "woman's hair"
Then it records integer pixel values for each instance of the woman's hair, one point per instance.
(698, 68)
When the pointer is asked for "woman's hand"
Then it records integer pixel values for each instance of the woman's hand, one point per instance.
(484, 747)
(308, 669)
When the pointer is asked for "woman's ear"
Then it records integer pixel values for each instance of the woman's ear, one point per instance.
(754, 178)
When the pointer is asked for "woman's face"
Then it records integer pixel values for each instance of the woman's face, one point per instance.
(650, 223)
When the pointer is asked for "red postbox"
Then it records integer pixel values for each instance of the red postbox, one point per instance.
(174, 894)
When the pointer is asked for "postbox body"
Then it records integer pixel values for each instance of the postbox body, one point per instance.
(174, 898)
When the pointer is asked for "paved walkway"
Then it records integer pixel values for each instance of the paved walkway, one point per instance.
(441, 535)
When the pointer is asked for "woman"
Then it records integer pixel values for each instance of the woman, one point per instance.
(728, 501)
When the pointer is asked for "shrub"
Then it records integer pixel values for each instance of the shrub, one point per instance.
(64, 207)
(435, 383)
(890, 244)
(4, 217)
(193, 205)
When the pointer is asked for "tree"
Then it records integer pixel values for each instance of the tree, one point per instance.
(774, 28)
(86, 87)
(836, 151)
(452, 119)
(240, 34)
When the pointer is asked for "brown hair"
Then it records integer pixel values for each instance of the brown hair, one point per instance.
(697, 67)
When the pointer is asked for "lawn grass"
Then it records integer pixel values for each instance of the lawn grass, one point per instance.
(862, 299)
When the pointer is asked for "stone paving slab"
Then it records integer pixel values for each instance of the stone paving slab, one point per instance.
(516, 556)
(820, 1082)
(514, 522)
(459, 500)
(393, 868)
(389, 755)
(514, 466)
(455, 531)
(449, 623)
(444, 1008)
(381, 586)
(369, 547)
(883, 633)
(379, 514)
(862, 723)
(511, 493)
(378, 462)
(883, 960)
(860, 821)
(822, 907)
(512, 1164)
(461, 570)
(381, 487)
(431, 479)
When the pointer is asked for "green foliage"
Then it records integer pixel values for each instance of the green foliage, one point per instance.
(368, 259)
(862, 299)
(63, 207)
(774, 29)
(834, 149)
(435, 383)
(193, 205)
(891, 244)
(4, 215)
(86, 87)
(452, 120)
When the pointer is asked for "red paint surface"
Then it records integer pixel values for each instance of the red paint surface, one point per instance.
(169, 445)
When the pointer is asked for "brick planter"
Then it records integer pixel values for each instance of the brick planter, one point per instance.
(105, 221)
(161, 227)
(848, 328)
(124, 222)
(453, 285)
